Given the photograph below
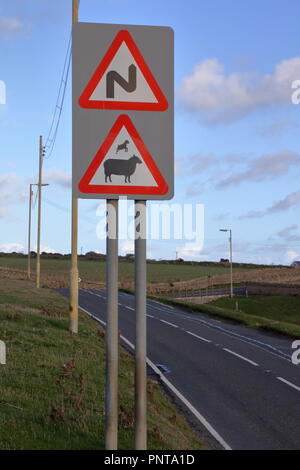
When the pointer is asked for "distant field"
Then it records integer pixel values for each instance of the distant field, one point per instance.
(274, 307)
(275, 313)
(95, 270)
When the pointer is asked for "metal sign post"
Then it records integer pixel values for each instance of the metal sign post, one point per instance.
(140, 327)
(112, 332)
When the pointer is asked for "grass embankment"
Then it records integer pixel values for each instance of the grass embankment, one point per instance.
(279, 314)
(52, 387)
(90, 270)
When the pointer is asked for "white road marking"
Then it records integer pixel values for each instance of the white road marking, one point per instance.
(251, 341)
(168, 323)
(241, 357)
(129, 308)
(94, 293)
(150, 316)
(163, 305)
(176, 392)
(289, 383)
(268, 348)
(199, 337)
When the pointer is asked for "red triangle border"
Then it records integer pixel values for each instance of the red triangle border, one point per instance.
(85, 187)
(85, 101)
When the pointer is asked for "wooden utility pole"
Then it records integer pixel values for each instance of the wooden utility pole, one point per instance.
(38, 260)
(74, 243)
(29, 232)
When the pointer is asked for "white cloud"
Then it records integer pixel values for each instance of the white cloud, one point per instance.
(10, 26)
(277, 128)
(127, 247)
(200, 163)
(288, 234)
(220, 98)
(45, 249)
(11, 190)
(267, 166)
(253, 214)
(56, 176)
(222, 216)
(290, 200)
(206, 170)
(190, 251)
(11, 247)
(290, 256)
(193, 191)
(2, 92)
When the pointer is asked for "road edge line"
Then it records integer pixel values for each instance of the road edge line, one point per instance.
(241, 357)
(173, 389)
(289, 383)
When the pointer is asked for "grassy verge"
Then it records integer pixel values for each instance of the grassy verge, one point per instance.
(52, 387)
(279, 314)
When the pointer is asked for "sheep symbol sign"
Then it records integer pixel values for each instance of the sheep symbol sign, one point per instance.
(123, 164)
(123, 111)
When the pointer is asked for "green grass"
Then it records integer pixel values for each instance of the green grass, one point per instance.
(274, 307)
(95, 270)
(281, 316)
(52, 387)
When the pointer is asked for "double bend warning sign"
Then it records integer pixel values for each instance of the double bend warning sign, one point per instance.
(123, 80)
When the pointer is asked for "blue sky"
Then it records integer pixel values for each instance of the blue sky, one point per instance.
(236, 129)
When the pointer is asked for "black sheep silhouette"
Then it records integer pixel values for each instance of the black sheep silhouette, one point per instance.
(123, 146)
(113, 166)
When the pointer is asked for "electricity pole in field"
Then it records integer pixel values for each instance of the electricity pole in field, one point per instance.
(29, 228)
(29, 231)
(39, 185)
(74, 241)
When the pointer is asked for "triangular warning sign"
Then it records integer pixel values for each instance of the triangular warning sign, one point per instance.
(123, 80)
(123, 165)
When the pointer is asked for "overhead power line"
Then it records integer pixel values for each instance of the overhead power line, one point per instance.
(68, 211)
(52, 134)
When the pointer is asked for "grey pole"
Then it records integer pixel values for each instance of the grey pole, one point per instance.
(29, 232)
(112, 334)
(231, 275)
(141, 327)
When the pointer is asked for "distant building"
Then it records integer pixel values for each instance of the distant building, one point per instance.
(296, 264)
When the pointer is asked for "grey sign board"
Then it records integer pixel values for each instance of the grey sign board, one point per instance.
(123, 111)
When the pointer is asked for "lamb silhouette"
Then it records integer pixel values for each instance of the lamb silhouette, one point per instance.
(125, 168)
(123, 146)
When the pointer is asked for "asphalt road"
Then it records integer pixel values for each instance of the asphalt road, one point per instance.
(242, 381)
